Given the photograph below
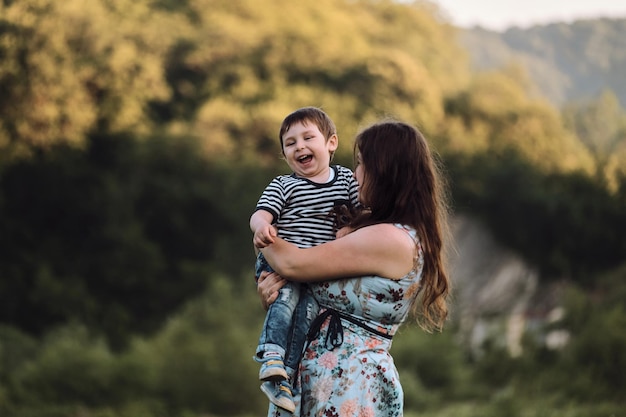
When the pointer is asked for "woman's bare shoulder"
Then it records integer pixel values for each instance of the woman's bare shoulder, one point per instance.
(384, 230)
(390, 246)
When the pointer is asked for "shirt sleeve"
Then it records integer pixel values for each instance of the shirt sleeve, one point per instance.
(272, 199)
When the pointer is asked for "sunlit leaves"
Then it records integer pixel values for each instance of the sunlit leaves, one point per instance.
(497, 114)
(358, 60)
(73, 67)
(600, 124)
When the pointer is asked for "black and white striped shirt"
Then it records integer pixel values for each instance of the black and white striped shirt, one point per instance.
(301, 209)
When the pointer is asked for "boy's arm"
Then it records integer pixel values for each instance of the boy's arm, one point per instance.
(261, 226)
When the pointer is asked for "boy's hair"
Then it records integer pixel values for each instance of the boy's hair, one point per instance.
(308, 114)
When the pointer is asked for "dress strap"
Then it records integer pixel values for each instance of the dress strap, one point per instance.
(334, 336)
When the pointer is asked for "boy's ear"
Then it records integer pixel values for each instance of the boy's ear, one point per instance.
(333, 142)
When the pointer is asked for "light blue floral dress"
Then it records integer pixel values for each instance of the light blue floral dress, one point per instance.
(346, 370)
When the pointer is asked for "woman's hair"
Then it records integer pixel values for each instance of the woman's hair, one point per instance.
(403, 185)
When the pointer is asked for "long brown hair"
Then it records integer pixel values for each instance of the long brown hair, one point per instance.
(404, 185)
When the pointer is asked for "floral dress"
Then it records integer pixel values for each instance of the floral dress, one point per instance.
(346, 369)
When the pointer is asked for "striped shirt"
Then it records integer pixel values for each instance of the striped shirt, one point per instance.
(302, 209)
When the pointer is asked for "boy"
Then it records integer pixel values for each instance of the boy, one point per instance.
(304, 208)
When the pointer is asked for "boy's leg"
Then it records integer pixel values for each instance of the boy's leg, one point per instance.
(274, 336)
(304, 314)
(261, 265)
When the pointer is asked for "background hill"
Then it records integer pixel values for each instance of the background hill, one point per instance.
(566, 61)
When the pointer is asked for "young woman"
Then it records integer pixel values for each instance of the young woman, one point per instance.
(368, 281)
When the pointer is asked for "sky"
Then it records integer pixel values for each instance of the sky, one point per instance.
(501, 14)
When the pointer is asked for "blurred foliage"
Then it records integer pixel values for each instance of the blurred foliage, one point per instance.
(136, 136)
(568, 225)
(194, 365)
(201, 364)
(72, 67)
(479, 121)
(600, 123)
(116, 236)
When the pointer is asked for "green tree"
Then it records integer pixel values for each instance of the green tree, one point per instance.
(495, 114)
(115, 236)
(600, 124)
(567, 224)
(73, 67)
(235, 90)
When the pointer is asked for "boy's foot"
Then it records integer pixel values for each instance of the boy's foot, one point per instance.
(273, 370)
(279, 394)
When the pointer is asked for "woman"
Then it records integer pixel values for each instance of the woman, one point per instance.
(368, 281)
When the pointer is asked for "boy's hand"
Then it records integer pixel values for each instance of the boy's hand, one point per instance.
(344, 231)
(264, 236)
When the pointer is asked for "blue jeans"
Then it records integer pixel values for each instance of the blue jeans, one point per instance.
(287, 320)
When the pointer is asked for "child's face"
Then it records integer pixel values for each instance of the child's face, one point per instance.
(307, 151)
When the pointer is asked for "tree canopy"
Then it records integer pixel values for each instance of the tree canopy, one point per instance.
(76, 77)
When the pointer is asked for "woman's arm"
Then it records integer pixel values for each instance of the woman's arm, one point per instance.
(383, 249)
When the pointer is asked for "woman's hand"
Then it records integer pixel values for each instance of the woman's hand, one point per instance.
(268, 285)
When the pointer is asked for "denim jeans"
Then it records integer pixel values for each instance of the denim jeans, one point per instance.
(287, 320)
